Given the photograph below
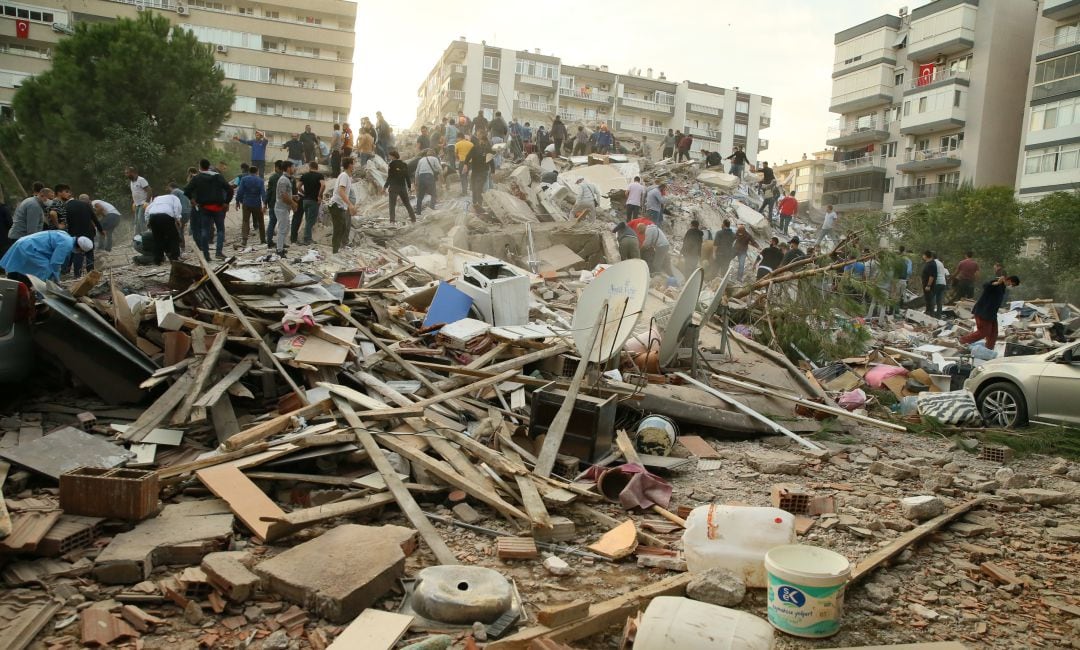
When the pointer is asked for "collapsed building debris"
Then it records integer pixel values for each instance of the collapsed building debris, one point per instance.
(483, 423)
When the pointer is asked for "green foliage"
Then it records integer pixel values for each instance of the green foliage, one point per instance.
(816, 321)
(986, 220)
(1037, 439)
(127, 92)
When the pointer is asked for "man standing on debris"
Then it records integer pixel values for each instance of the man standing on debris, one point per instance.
(771, 258)
(542, 141)
(209, 191)
(581, 142)
(739, 162)
(788, 207)
(163, 218)
(41, 254)
(341, 206)
(335, 151)
(588, 200)
(82, 221)
(723, 249)
(902, 272)
(655, 248)
(284, 204)
(498, 127)
(109, 217)
(271, 203)
(629, 245)
(769, 192)
(794, 253)
(310, 142)
(967, 271)
(461, 151)
(427, 170)
(258, 148)
(986, 309)
(251, 193)
(655, 200)
(478, 164)
(604, 140)
(397, 185)
(827, 226)
(670, 140)
(384, 135)
(685, 142)
(185, 213)
(558, 134)
(691, 247)
(423, 141)
(30, 215)
(313, 185)
(346, 140)
(140, 197)
(743, 242)
(635, 194)
(941, 284)
(365, 146)
(295, 150)
(929, 281)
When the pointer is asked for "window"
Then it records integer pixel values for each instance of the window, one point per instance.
(959, 65)
(566, 82)
(246, 11)
(271, 14)
(740, 129)
(273, 46)
(25, 50)
(207, 4)
(907, 109)
(742, 107)
(952, 142)
(888, 185)
(309, 20)
(244, 72)
(303, 113)
(896, 113)
(1052, 159)
(922, 104)
(304, 50)
(899, 79)
(920, 181)
(244, 104)
(950, 177)
(1055, 114)
(1055, 69)
(491, 63)
(956, 98)
(888, 149)
(33, 15)
(339, 116)
(219, 36)
(922, 144)
(489, 88)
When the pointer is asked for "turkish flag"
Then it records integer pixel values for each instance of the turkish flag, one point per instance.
(22, 28)
(926, 74)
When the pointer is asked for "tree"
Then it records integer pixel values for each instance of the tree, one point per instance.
(130, 92)
(986, 220)
(1054, 219)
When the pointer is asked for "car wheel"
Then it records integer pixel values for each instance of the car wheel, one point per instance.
(1002, 405)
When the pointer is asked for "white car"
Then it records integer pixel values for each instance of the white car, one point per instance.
(1010, 391)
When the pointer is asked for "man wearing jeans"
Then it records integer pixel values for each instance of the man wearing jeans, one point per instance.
(427, 170)
(313, 183)
(827, 226)
(788, 207)
(209, 191)
(140, 197)
(929, 280)
(251, 194)
(462, 149)
(284, 204)
(341, 206)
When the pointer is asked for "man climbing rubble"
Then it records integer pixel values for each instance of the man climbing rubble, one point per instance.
(397, 185)
(655, 200)
(587, 201)
(986, 309)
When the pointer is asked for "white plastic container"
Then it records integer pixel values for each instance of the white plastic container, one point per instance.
(735, 538)
(673, 623)
(806, 589)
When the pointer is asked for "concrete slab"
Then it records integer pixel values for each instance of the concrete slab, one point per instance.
(605, 177)
(182, 534)
(228, 572)
(342, 572)
(508, 208)
(753, 219)
(719, 180)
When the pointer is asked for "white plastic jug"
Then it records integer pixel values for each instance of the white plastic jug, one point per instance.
(673, 623)
(735, 538)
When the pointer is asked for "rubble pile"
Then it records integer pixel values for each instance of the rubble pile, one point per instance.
(486, 431)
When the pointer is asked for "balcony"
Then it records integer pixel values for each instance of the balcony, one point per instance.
(711, 134)
(534, 107)
(704, 110)
(643, 105)
(452, 100)
(949, 31)
(585, 95)
(939, 79)
(857, 132)
(1061, 9)
(640, 128)
(855, 200)
(530, 80)
(924, 160)
(856, 100)
(934, 110)
(857, 165)
(919, 193)
(762, 145)
(457, 71)
(764, 122)
(1047, 48)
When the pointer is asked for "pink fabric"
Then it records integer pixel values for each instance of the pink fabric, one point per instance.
(878, 374)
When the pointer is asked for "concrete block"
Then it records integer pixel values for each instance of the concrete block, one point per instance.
(342, 572)
(921, 508)
(522, 177)
(718, 179)
(228, 572)
(182, 534)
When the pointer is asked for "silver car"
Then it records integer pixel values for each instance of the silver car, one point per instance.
(16, 340)
(1009, 391)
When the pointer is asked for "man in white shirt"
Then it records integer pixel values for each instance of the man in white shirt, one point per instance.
(163, 218)
(827, 226)
(635, 194)
(587, 201)
(427, 170)
(109, 217)
(941, 284)
(140, 197)
(341, 206)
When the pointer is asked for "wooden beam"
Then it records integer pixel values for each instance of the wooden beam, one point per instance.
(510, 364)
(530, 495)
(273, 426)
(394, 484)
(223, 418)
(152, 417)
(206, 369)
(210, 397)
(235, 308)
(185, 468)
(300, 519)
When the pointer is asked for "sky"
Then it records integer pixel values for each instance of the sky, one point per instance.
(778, 48)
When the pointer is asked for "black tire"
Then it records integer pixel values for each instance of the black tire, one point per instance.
(1002, 404)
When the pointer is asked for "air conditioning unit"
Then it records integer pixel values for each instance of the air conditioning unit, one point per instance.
(181, 9)
(940, 60)
(903, 11)
(139, 7)
(221, 49)
(603, 86)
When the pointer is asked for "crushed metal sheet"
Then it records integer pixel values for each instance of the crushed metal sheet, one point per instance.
(66, 449)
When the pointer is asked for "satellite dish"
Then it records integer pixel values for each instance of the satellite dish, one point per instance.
(680, 318)
(624, 286)
(715, 304)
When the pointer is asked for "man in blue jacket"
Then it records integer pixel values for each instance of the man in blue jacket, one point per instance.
(43, 253)
(251, 195)
(258, 149)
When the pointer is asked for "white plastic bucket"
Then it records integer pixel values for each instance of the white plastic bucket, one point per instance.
(806, 589)
(658, 426)
(673, 623)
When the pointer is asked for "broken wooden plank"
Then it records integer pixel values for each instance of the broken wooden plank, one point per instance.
(274, 426)
(185, 468)
(125, 321)
(223, 418)
(300, 519)
(394, 484)
(563, 613)
(373, 629)
(698, 447)
(206, 369)
(871, 562)
(161, 408)
(245, 499)
(211, 396)
(510, 364)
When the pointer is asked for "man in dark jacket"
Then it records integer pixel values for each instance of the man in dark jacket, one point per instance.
(771, 258)
(81, 222)
(929, 279)
(691, 247)
(478, 169)
(986, 310)
(310, 142)
(295, 148)
(723, 248)
(558, 134)
(480, 123)
(397, 185)
(498, 127)
(210, 192)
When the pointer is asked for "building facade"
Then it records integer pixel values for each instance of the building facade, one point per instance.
(1050, 160)
(291, 64)
(534, 87)
(807, 178)
(928, 100)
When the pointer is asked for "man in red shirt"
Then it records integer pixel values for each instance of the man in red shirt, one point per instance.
(788, 207)
(633, 225)
(967, 271)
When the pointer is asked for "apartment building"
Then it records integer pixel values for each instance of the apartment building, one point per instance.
(534, 87)
(928, 100)
(291, 63)
(806, 177)
(1050, 160)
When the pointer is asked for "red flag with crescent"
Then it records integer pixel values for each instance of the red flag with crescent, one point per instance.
(22, 28)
